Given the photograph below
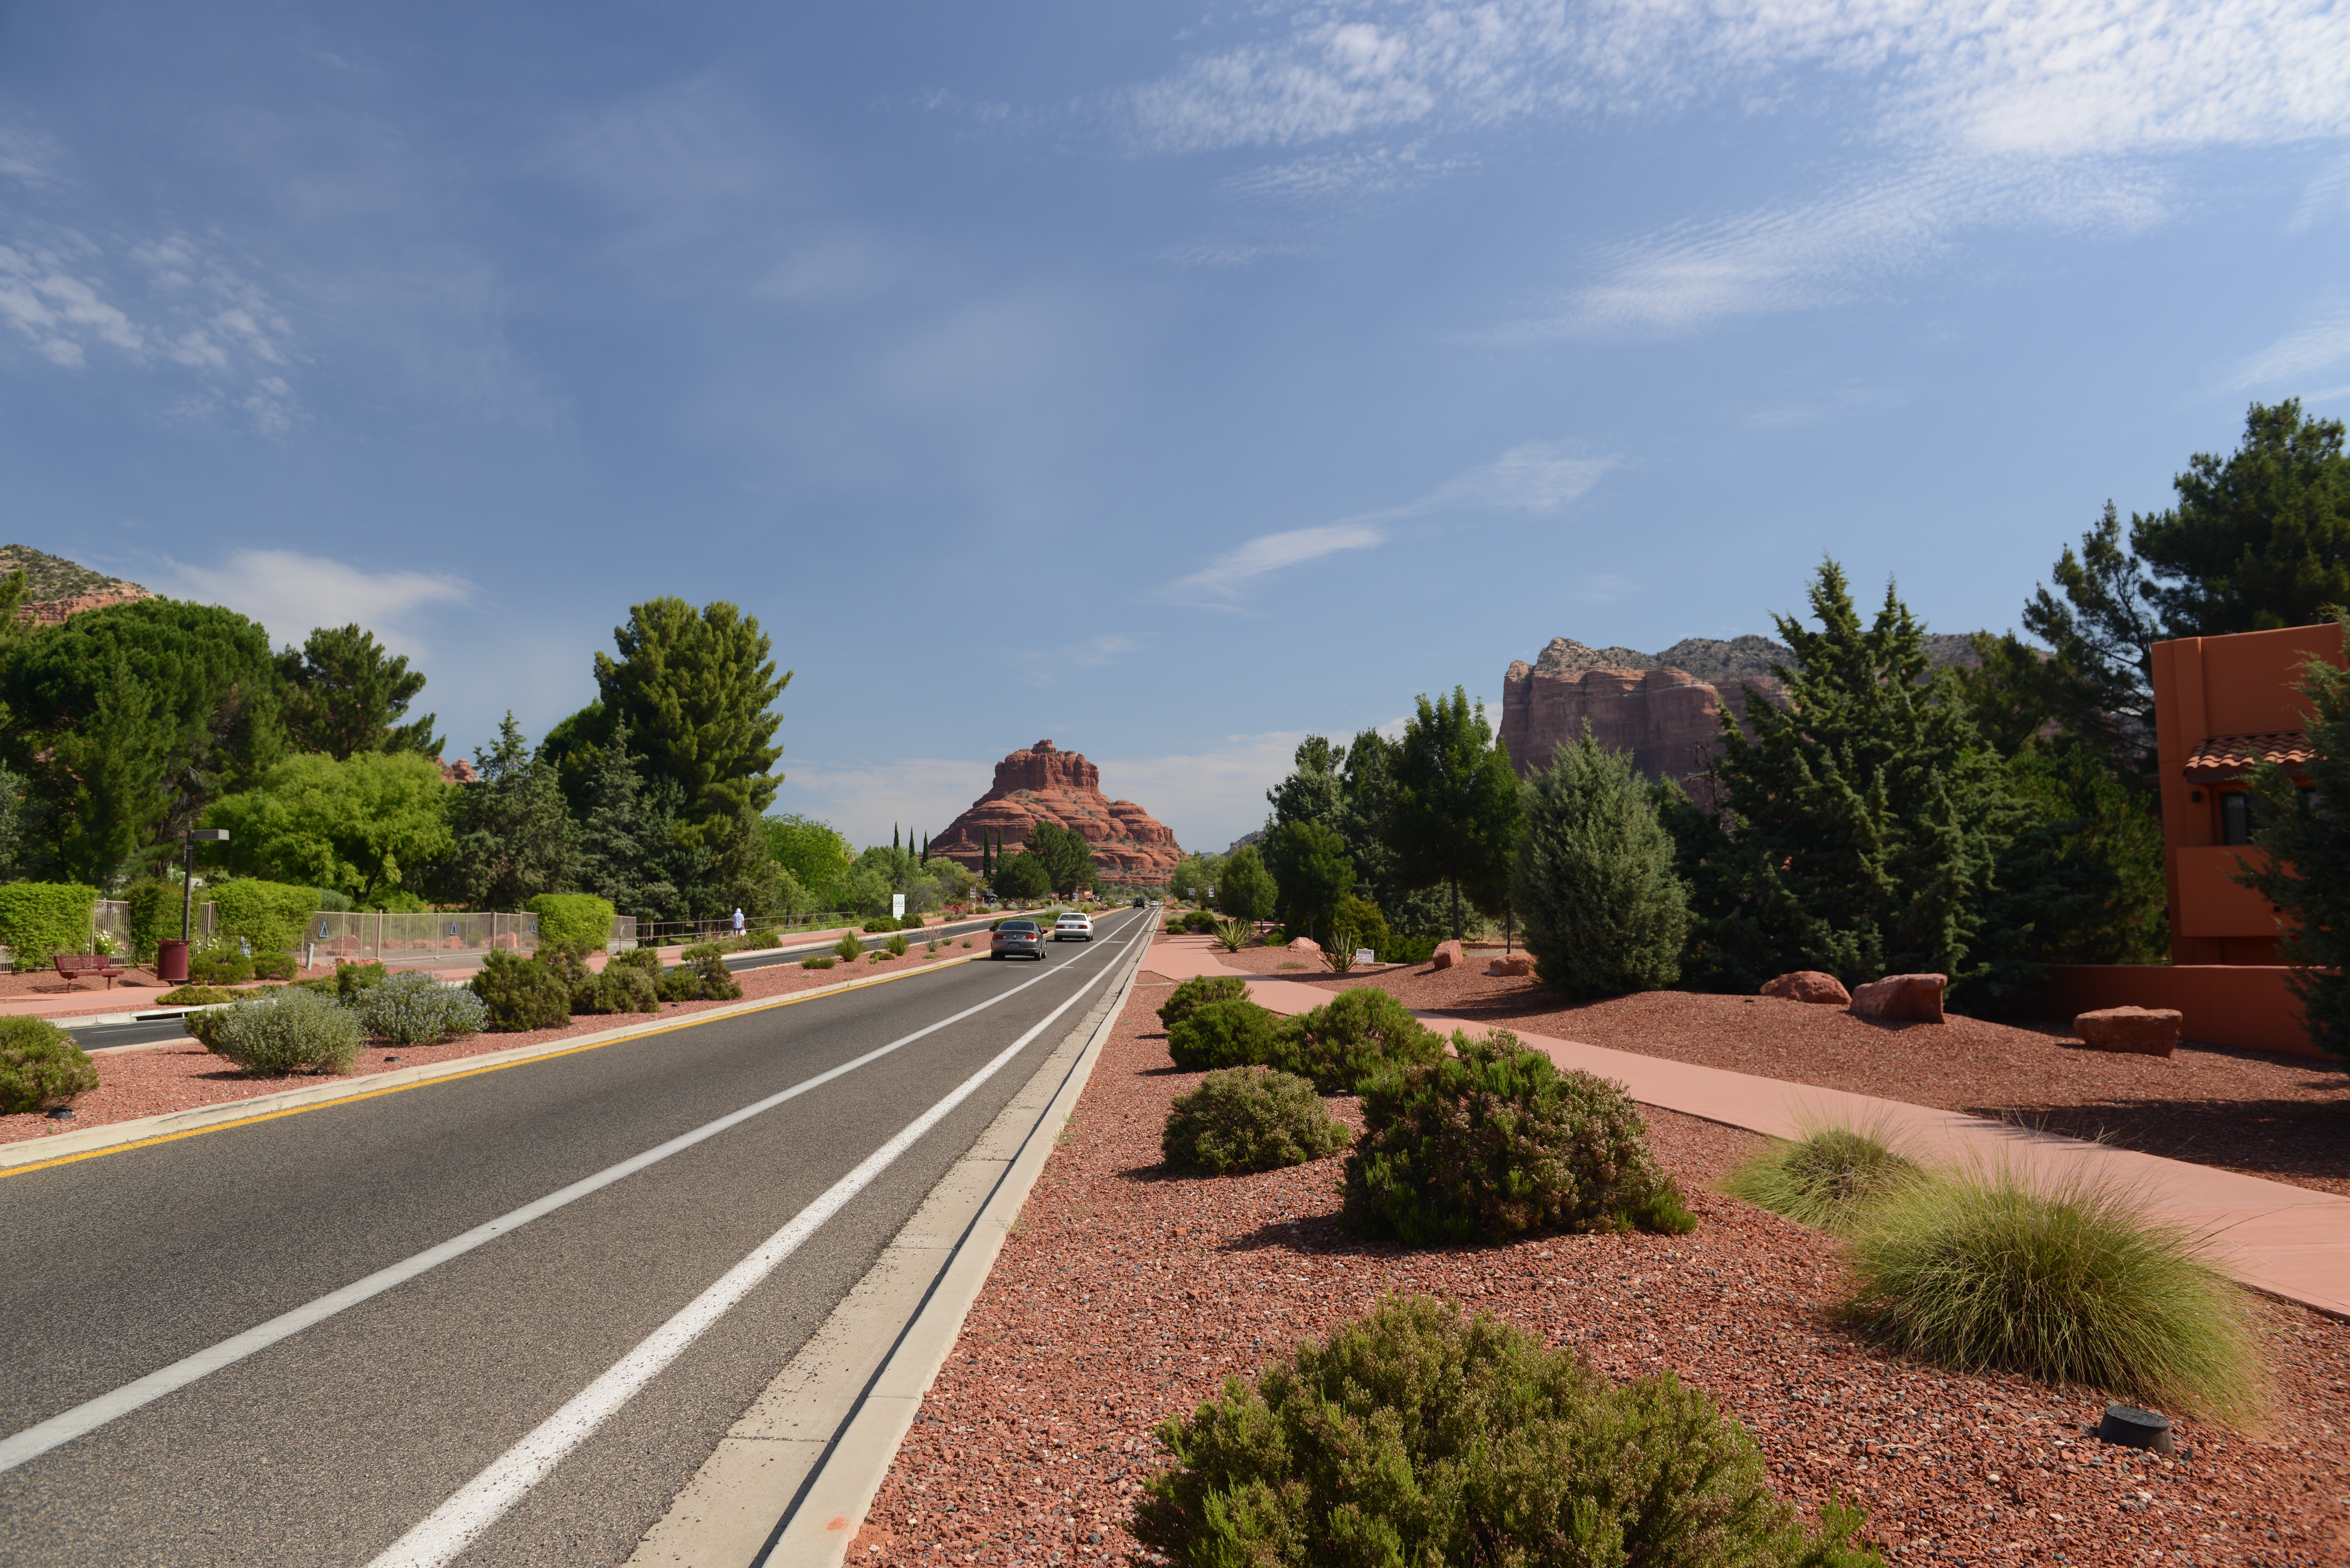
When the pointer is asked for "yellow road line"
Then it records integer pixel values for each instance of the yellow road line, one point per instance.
(359, 1093)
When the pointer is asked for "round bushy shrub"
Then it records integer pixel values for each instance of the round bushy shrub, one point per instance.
(1494, 1142)
(353, 980)
(1249, 1118)
(1416, 1436)
(522, 994)
(1593, 879)
(40, 1066)
(619, 988)
(644, 960)
(1197, 992)
(825, 961)
(222, 966)
(278, 1032)
(705, 979)
(2069, 1281)
(1359, 1034)
(880, 923)
(273, 966)
(1225, 1034)
(414, 1009)
(1828, 1179)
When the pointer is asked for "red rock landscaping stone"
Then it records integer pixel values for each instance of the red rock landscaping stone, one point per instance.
(1304, 945)
(1902, 998)
(1518, 963)
(1448, 954)
(2143, 1031)
(1807, 985)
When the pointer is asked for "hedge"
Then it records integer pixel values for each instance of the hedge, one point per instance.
(154, 915)
(39, 920)
(272, 916)
(572, 920)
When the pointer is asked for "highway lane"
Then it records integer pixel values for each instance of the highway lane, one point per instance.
(326, 1446)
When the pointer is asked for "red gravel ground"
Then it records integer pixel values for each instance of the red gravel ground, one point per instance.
(2286, 1118)
(1126, 1294)
(133, 1084)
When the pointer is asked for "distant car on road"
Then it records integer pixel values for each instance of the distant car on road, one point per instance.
(1013, 939)
(1073, 925)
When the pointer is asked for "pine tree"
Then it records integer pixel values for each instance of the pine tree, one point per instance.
(1593, 878)
(926, 849)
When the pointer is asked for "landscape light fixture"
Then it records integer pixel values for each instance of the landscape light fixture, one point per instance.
(188, 872)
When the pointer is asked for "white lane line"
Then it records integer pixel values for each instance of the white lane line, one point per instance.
(458, 1522)
(66, 1426)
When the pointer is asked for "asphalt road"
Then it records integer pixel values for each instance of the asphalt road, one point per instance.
(97, 1036)
(327, 1446)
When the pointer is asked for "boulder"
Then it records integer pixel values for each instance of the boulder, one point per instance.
(1516, 963)
(1448, 954)
(2143, 1031)
(1808, 985)
(1305, 945)
(1902, 998)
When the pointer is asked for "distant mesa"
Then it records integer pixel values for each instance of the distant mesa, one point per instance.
(56, 588)
(1044, 783)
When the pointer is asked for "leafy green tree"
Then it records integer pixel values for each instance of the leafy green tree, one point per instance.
(1862, 826)
(513, 838)
(1593, 877)
(1192, 873)
(346, 694)
(1455, 814)
(1067, 858)
(2259, 538)
(130, 720)
(1314, 791)
(12, 822)
(1022, 877)
(1245, 891)
(814, 854)
(361, 825)
(2307, 870)
(1311, 875)
(697, 690)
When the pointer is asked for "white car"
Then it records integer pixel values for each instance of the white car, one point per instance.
(1073, 924)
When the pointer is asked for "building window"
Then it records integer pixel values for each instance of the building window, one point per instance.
(2235, 817)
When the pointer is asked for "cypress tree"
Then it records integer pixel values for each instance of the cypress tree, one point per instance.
(1593, 878)
(893, 838)
(926, 849)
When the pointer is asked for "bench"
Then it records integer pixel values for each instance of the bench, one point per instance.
(74, 966)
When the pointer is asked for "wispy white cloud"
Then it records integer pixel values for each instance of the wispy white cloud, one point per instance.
(2324, 201)
(2319, 343)
(290, 593)
(1224, 578)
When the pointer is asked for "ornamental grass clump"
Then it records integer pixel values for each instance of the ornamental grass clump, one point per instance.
(281, 1031)
(1355, 1035)
(898, 946)
(522, 994)
(414, 1009)
(1493, 1143)
(1249, 1118)
(40, 1066)
(1418, 1436)
(2069, 1280)
(1197, 992)
(1225, 1034)
(1829, 1178)
(849, 949)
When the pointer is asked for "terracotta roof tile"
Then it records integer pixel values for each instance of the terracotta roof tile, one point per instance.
(2230, 756)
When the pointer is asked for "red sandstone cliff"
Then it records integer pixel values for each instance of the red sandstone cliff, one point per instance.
(1669, 719)
(1043, 782)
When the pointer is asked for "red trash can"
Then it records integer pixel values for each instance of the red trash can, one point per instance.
(172, 960)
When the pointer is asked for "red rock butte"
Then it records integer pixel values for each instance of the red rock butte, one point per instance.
(1669, 719)
(1044, 783)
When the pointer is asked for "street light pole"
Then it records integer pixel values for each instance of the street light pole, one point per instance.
(188, 873)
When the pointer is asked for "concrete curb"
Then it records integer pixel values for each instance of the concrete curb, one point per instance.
(791, 1481)
(32, 1154)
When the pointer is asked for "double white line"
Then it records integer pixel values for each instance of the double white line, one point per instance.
(464, 1516)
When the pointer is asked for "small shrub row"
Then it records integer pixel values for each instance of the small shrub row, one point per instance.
(1249, 1118)
(195, 996)
(40, 1066)
(821, 960)
(228, 966)
(1340, 1045)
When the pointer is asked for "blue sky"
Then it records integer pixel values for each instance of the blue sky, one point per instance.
(1168, 381)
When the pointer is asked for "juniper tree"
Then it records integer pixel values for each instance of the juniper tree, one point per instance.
(2305, 872)
(1593, 878)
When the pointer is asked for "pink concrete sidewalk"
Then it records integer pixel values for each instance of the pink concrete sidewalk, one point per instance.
(2291, 1242)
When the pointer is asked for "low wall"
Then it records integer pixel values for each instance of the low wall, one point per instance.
(2245, 1005)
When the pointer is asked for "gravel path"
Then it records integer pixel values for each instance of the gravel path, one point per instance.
(1126, 1294)
(136, 1084)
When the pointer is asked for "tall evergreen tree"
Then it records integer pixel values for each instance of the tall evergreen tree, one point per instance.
(1593, 878)
(1311, 873)
(1456, 812)
(514, 837)
(347, 694)
(1314, 791)
(623, 839)
(2305, 869)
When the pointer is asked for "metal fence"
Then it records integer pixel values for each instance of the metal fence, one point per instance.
(438, 937)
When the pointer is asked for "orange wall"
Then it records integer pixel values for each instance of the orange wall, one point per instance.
(2241, 1004)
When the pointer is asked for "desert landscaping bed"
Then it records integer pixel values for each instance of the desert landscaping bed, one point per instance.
(2285, 1118)
(178, 1078)
(1125, 1294)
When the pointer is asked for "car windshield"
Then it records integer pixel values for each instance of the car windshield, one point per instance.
(1073, 919)
(1017, 926)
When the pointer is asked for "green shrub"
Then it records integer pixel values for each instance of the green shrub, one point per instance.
(1233, 935)
(39, 921)
(1415, 1436)
(269, 916)
(911, 923)
(220, 966)
(1829, 1178)
(353, 978)
(1225, 1034)
(2072, 1282)
(1494, 1142)
(1201, 922)
(572, 921)
(848, 948)
(154, 915)
(1408, 950)
(522, 994)
(1593, 879)
(280, 1032)
(706, 979)
(1354, 1036)
(40, 1066)
(273, 966)
(878, 924)
(618, 988)
(332, 899)
(195, 996)
(1197, 992)
(414, 1009)
(822, 961)
(897, 946)
(646, 960)
(569, 964)
(1249, 1118)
